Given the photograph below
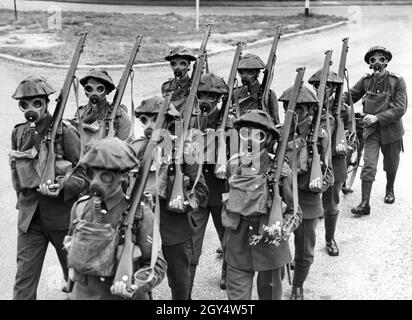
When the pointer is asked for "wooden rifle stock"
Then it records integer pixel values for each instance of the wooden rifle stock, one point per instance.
(316, 170)
(187, 111)
(340, 137)
(276, 209)
(221, 152)
(122, 84)
(124, 271)
(49, 174)
(268, 72)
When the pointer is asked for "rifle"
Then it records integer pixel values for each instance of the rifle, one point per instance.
(187, 110)
(117, 99)
(268, 72)
(276, 216)
(124, 271)
(340, 137)
(221, 152)
(316, 170)
(49, 173)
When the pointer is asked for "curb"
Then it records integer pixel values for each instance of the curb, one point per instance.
(255, 44)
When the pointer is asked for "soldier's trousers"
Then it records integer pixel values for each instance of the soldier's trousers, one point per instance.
(239, 284)
(390, 152)
(178, 268)
(330, 200)
(305, 240)
(201, 218)
(31, 250)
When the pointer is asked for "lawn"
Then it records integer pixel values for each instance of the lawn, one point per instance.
(111, 36)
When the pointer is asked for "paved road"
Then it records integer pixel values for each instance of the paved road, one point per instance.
(375, 250)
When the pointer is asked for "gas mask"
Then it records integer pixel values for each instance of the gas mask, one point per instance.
(180, 67)
(148, 122)
(329, 89)
(95, 91)
(104, 183)
(248, 76)
(378, 62)
(207, 104)
(252, 139)
(34, 109)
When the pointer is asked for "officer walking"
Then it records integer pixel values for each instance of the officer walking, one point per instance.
(246, 251)
(96, 114)
(44, 210)
(249, 94)
(180, 59)
(385, 101)
(176, 229)
(92, 260)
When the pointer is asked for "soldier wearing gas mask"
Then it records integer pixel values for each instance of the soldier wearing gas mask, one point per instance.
(176, 229)
(209, 94)
(247, 206)
(96, 114)
(309, 201)
(330, 197)
(93, 239)
(44, 210)
(180, 59)
(385, 101)
(247, 96)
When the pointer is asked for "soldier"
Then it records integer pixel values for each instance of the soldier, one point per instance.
(384, 100)
(330, 197)
(176, 229)
(180, 59)
(102, 212)
(209, 93)
(244, 219)
(96, 114)
(248, 94)
(44, 210)
(309, 201)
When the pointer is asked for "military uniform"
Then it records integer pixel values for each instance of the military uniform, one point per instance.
(330, 197)
(109, 154)
(42, 219)
(383, 95)
(176, 229)
(209, 83)
(95, 119)
(310, 202)
(244, 219)
(248, 96)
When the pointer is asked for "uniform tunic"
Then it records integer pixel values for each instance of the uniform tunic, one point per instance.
(385, 97)
(88, 287)
(180, 90)
(244, 92)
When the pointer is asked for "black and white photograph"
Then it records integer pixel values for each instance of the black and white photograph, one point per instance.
(206, 150)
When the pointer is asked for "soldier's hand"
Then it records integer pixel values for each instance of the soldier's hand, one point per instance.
(316, 185)
(119, 288)
(221, 171)
(341, 148)
(370, 119)
(178, 205)
(51, 190)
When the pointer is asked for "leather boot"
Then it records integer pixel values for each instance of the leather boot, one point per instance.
(223, 277)
(390, 195)
(364, 208)
(332, 248)
(297, 293)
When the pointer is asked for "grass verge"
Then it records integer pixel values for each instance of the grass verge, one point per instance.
(111, 36)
